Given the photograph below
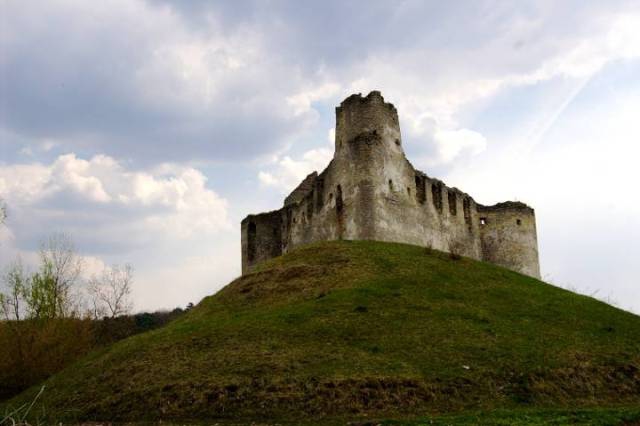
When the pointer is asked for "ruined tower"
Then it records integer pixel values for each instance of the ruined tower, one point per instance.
(370, 191)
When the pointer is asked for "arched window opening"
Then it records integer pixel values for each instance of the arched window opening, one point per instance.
(339, 205)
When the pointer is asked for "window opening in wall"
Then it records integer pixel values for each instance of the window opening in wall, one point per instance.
(466, 210)
(319, 194)
(453, 208)
(409, 191)
(436, 192)
(398, 142)
(310, 208)
(483, 221)
(390, 185)
(421, 194)
(339, 212)
(518, 222)
(251, 241)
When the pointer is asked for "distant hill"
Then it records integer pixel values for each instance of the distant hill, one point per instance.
(343, 331)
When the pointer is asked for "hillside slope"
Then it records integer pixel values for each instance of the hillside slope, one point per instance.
(353, 329)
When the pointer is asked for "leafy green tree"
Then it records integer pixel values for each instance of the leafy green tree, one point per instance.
(12, 306)
(60, 268)
(44, 300)
(48, 293)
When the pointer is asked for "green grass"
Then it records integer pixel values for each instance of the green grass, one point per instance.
(340, 331)
(591, 417)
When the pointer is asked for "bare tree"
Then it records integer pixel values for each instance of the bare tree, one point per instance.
(110, 292)
(60, 268)
(17, 283)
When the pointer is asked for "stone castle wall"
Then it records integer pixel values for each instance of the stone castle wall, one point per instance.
(370, 191)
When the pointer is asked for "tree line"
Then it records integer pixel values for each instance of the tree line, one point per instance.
(52, 290)
(50, 315)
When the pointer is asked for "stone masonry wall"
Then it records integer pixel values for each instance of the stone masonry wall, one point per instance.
(370, 191)
(508, 235)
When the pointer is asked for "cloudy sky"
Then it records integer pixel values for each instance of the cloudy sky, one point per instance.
(147, 130)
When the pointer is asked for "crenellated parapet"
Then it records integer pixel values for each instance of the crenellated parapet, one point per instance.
(370, 191)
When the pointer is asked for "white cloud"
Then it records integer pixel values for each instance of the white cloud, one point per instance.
(23, 183)
(163, 220)
(331, 136)
(172, 200)
(287, 172)
(91, 266)
(73, 174)
(301, 102)
(267, 179)
(7, 244)
(453, 143)
(589, 55)
(189, 278)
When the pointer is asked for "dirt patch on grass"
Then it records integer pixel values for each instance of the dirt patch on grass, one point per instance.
(585, 382)
(277, 284)
(284, 282)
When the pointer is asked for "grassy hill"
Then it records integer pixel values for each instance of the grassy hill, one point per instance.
(340, 331)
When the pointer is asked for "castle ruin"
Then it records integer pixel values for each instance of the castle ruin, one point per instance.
(370, 191)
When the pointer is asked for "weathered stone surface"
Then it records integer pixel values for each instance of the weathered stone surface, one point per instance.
(370, 191)
(302, 190)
